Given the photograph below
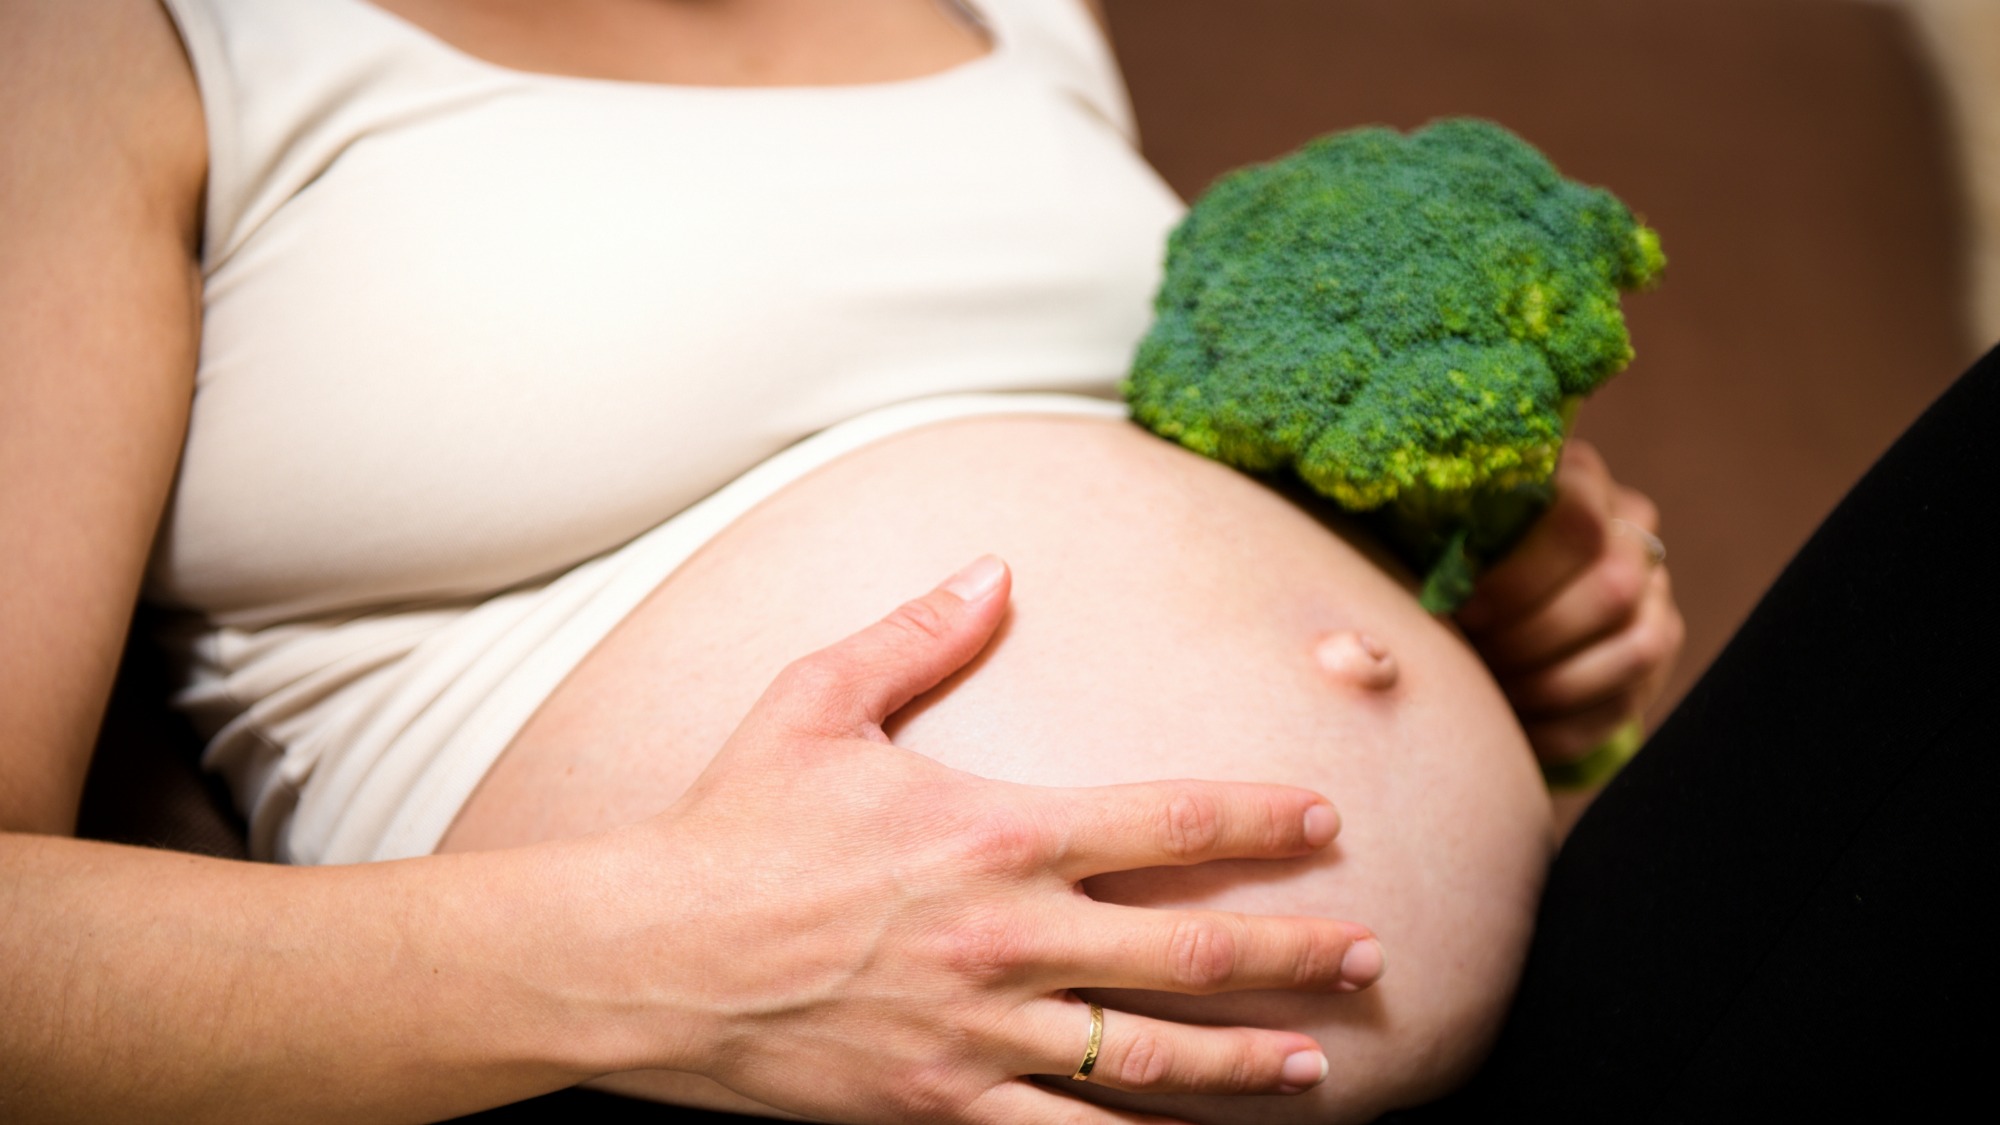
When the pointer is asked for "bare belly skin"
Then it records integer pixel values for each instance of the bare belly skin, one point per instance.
(1167, 619)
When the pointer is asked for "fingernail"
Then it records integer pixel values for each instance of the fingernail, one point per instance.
(1363, 964)
(1303, 1070)
(1322, 824)
(978, 580)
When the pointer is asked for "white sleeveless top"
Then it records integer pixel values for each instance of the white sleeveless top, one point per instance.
(486, 353)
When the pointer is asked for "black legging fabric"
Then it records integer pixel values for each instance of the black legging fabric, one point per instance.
(1772, 914)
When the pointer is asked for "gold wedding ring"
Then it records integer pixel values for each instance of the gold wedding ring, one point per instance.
(1089, 1062)
(1656, 551)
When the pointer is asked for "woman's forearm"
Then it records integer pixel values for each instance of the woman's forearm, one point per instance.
(824, 922)
(146, 985)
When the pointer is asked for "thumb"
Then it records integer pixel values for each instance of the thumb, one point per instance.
(859, 682)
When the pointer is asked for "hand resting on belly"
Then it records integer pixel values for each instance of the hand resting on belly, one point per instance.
(1170, 619)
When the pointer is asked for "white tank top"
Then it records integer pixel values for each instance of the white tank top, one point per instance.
(466, 327)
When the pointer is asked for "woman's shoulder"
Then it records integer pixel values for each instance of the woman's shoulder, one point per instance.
(101, 81)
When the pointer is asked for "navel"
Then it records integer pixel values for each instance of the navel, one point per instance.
(1357, 658)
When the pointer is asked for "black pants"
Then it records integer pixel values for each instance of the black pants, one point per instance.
(1772, 913)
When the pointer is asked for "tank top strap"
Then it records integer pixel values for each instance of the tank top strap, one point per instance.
(288, 85)
(1062, 41)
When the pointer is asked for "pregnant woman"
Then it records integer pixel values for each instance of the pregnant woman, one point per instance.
(545, 381)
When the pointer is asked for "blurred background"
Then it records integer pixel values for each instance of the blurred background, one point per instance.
(1810, 164)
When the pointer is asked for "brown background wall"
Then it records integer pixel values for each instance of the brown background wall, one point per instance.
(1791, 152)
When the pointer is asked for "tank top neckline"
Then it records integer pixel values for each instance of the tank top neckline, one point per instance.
(1000, 50)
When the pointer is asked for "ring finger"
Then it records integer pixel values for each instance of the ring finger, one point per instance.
(1142, 1055)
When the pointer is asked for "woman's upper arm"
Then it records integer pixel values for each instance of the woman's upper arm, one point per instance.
(101, 165)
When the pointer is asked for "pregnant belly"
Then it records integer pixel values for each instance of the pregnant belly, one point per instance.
(1165, 619)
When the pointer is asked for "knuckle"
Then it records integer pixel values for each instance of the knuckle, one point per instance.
(1193, 826)
(1235, 1071)
(1201, 955)
(1148, 1062)
(920, 621)
(1319, 959)
(987, 948)
(1004, 843)
(1283, 826)
(812, 693)
(819, 675)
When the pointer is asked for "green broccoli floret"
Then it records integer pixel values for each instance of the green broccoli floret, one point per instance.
(1407, 322)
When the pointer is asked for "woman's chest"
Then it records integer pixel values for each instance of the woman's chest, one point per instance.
(487, 345)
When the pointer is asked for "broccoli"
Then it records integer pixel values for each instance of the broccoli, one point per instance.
(1405, 322)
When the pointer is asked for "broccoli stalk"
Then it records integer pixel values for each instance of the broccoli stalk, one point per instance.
(1405, 322)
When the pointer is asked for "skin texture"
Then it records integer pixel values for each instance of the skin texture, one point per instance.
(1172, 618)
(149, 985)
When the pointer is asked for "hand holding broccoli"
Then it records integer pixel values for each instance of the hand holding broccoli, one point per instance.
(1578, 622)
(1406, 322)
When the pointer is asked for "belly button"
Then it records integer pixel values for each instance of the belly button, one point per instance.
(1357, 658)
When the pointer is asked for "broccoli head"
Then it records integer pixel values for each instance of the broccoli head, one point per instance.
(1406, 322)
